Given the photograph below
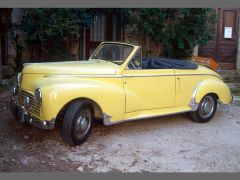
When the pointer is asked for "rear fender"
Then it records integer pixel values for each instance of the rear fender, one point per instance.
(211, 86)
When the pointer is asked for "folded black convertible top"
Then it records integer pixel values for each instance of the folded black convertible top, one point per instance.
(165, 63)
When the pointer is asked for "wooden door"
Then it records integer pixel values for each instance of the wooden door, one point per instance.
(223, 48)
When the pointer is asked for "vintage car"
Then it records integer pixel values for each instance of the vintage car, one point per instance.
(115, 85)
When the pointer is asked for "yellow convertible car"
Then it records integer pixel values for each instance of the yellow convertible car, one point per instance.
(115, 85)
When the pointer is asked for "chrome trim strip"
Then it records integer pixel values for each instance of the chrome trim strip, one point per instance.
(158, 75)
(121, 76)
(24, 116)
(151, 75)
(83, 76)
(107, 121)
(193, 104)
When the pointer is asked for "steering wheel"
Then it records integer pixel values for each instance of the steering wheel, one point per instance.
(133, 65)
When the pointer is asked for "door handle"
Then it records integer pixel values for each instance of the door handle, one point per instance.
(179, 84)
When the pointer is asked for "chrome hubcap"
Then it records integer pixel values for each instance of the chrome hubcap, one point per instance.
(83, 123)
(206, 107)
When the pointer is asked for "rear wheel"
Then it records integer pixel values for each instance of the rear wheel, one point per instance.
(77, 123)
(206, 109)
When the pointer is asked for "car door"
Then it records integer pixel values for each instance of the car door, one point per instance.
(147, 89)
(186, 83)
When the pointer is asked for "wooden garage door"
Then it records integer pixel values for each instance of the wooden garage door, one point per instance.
(224, 46)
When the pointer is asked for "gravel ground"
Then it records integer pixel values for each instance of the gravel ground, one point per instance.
(167, 144)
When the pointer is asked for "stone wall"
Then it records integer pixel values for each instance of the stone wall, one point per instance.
(149, 48)
(37, 53)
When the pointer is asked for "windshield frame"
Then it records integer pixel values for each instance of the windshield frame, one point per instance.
(117, 43)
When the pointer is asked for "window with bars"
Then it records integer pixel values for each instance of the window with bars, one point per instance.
(97, 29)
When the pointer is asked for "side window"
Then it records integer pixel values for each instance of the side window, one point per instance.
(135, 62)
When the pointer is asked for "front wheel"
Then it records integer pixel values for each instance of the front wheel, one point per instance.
(77, 123)
(206, 109)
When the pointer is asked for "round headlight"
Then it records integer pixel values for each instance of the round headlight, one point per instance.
(38, 95)
(14, 91)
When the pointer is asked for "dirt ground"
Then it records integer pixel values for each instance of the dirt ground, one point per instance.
(166, 144)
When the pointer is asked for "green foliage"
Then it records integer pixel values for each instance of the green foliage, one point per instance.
(178, 30)
(54, 25)
(125, 16)
(47, 23)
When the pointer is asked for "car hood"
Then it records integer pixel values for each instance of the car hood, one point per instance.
(86, 67)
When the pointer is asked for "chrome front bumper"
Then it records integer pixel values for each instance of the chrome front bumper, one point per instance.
(21, 114)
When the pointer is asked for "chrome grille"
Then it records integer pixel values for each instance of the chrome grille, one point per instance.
(34, 108)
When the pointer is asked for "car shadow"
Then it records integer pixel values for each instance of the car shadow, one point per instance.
(24, 132)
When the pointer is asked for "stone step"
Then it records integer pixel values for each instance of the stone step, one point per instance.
(235, 88)
(230, 76)
(7, 71)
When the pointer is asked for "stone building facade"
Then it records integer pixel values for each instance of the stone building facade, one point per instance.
(106, 27)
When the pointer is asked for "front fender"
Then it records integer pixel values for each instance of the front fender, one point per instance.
(215, 86)
(110, 97)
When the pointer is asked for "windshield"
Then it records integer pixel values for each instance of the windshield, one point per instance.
(116, 53)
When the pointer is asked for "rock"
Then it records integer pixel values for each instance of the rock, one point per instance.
(184, 151)
(80, 169)
(90, 166)
(26, 137)
(13, 160)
